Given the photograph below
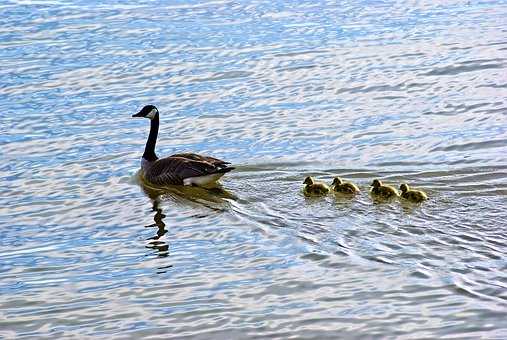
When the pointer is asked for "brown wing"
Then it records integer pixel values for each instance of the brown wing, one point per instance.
(174, 169)
(196, 157)
(349, 188)
(388, 191)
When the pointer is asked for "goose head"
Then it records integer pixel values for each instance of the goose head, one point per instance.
(376, 183)
(404, 188)
(337, 181)
(149, 111)
(308, 180)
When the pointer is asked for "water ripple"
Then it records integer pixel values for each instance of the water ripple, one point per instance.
(402, 92)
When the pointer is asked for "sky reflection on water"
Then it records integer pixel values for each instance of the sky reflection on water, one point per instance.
(405, 92)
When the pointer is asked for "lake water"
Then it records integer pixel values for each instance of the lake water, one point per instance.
(411, 91)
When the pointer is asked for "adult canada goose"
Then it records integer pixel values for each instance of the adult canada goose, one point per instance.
(178, 169)
(344, 187)
(384, 191)
(313, 188)
(412, 195)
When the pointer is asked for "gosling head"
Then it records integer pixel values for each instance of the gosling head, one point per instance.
(149, 111)
(376, 183)
(404, 187)
(337, 181)
(308, 180)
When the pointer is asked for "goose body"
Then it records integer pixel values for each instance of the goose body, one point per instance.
(344, 187)
(313, 188)
(177, 169)
(383, 191)
(412, 195)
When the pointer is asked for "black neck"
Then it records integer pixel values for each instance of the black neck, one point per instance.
(149, 150)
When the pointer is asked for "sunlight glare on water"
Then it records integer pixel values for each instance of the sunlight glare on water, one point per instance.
(402, 91)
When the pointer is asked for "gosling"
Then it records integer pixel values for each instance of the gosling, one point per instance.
(344, 187)
(313, 188)
(416, 196)
(383, 191)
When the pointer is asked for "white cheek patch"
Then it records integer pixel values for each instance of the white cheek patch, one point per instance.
(152, 114)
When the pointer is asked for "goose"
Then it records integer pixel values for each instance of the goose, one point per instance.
(313, 188)
(177, 169)
(344, 187)
(412, 195)
(384, 191)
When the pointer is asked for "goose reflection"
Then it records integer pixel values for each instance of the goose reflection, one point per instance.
(215, 198)
(154, 242)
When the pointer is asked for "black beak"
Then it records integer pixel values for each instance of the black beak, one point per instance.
(137, 114)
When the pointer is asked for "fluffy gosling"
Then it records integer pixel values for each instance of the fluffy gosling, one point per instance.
(384, 191)
(344, 187)
(313, 188)
(416, 196)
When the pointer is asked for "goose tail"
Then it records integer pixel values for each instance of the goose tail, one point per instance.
(208, 179)
(224, 170)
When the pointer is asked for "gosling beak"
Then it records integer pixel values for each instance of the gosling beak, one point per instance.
(137, 114)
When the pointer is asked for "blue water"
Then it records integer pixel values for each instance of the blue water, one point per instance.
(403, 91)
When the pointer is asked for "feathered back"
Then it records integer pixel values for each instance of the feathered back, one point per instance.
(174, 169)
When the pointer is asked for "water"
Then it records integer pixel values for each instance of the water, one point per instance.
(402, 91)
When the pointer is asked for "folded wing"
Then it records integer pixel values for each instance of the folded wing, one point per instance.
(173, 170)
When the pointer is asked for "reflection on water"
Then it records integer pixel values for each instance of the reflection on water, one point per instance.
(210, 197)
(404, 92)
(161, 246)
(215, 198)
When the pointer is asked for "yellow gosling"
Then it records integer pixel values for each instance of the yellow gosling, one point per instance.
(344, 187)
(313, 188)
(383, 191)
(416, 196)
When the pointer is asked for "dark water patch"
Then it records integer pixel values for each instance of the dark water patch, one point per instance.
(224, 76)
(297, 68)
(472, 146)
(495, 86)
(463, 68)
(388, 97)
(420, 274)
(451, 110)
(300, 53)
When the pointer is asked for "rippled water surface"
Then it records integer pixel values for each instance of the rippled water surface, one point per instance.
(403, 91)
